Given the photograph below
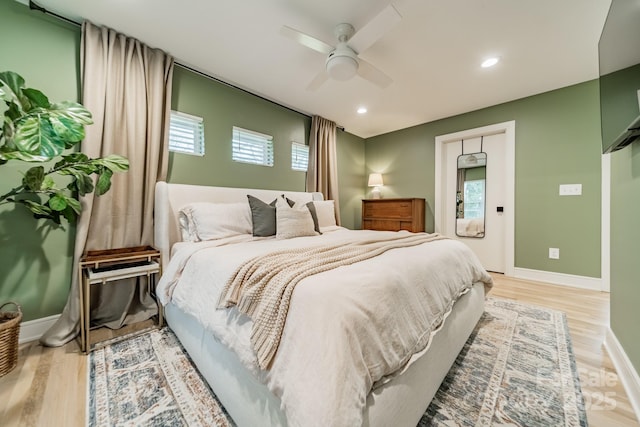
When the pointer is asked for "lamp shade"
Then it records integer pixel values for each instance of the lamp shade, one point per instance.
(375, 179)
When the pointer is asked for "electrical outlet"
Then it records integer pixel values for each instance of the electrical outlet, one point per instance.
(570, 189)
(554, 253)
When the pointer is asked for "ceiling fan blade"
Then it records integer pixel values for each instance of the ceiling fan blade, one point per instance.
(374, 29)
(374, 75)
(318, 80)
(306, 40)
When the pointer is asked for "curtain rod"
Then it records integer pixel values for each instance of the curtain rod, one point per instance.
(35, 6)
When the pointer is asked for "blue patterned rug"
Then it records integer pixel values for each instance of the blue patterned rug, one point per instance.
(516, 369)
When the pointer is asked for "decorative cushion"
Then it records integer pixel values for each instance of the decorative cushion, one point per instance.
(263, 217)
(187, 227)
(314, 216)
(293, 221)
(208, 221)
(326, 212)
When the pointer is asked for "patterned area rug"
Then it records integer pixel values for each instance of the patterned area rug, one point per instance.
(516, 369)
(148, 380)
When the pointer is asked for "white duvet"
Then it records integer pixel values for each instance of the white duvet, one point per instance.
(347, 329)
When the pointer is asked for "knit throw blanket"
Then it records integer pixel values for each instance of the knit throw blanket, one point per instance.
(262, 287)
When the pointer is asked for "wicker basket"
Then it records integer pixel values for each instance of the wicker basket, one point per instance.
(9, 334)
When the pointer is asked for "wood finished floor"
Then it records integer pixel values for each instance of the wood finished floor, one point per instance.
(48, 387)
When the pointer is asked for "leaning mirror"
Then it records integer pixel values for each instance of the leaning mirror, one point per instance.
(470, 195)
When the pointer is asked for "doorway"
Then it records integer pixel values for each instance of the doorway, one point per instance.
(486, 223)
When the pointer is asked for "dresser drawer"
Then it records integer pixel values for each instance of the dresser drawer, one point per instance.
(393, 214)
(388, 209)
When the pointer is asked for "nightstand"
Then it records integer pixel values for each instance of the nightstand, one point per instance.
(100, 268)
(393, 214)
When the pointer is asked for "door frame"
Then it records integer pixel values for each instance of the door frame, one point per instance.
(509, 129)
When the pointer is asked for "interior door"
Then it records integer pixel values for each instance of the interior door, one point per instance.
(488, 244)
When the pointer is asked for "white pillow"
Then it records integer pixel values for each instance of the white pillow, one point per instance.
(326, 212)
(295, 221)
(187, 227)
(208, 221)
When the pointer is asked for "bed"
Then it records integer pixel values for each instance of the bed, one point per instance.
(473, 227)
(394, 390)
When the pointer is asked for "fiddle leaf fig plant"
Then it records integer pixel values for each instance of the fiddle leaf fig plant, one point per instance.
(35, 130)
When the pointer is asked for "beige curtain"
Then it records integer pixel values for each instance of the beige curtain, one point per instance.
(127, 87)
(322, 172)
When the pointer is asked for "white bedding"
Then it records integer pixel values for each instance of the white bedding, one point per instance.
(345, 333)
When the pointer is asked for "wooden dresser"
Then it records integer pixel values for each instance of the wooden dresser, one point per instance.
(393, 214)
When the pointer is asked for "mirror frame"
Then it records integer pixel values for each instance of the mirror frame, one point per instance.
(463, 157)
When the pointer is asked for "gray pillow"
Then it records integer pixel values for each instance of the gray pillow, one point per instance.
(289, 201)
(263, 217)
(314, 215)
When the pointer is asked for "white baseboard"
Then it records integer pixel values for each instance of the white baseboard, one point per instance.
(583, 282)
(32, 330)
(626, 372)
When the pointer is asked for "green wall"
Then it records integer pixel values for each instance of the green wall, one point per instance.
(625, 248)
(625, 214)
(351, 178)
(35, 260)
(222, 107)
(557, 142)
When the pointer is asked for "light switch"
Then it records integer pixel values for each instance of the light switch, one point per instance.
(570, 189)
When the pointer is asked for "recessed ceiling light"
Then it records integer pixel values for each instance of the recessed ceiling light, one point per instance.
(490, 62)
(362, 110)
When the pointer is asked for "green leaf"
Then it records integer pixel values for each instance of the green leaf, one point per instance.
(13, 113)
(114, 162)
(72, 111)
(83, 183)
(58, 202)
(70, 215)
(36, 136)
(72, 158)
(47, 183)
(33, 178)
(37, 208)
(6, 154)
(75, 168)
(67, 130)
(104, 182)
(73, 204)
(37, 98)
(11, 87)
(76, 157)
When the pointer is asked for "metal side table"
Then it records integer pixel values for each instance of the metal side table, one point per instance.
(98, 268)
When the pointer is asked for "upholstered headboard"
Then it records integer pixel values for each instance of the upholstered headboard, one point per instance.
(170, 198)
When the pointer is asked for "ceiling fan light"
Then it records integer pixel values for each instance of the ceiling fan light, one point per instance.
(341, 67)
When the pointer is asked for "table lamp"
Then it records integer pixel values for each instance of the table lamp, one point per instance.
(375, 181)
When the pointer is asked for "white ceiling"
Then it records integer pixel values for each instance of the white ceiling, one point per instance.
(433, 54)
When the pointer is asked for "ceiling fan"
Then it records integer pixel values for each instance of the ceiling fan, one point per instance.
(342, 61)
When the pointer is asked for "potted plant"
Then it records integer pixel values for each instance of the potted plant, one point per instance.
(37, 131)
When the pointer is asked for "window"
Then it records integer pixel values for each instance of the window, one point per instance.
(186, 134)
(252, 147)
(474, 198)
(299, 156)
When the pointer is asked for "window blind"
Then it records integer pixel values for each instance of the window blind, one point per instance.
(252, 147)
(299, 156)
(186, 134)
